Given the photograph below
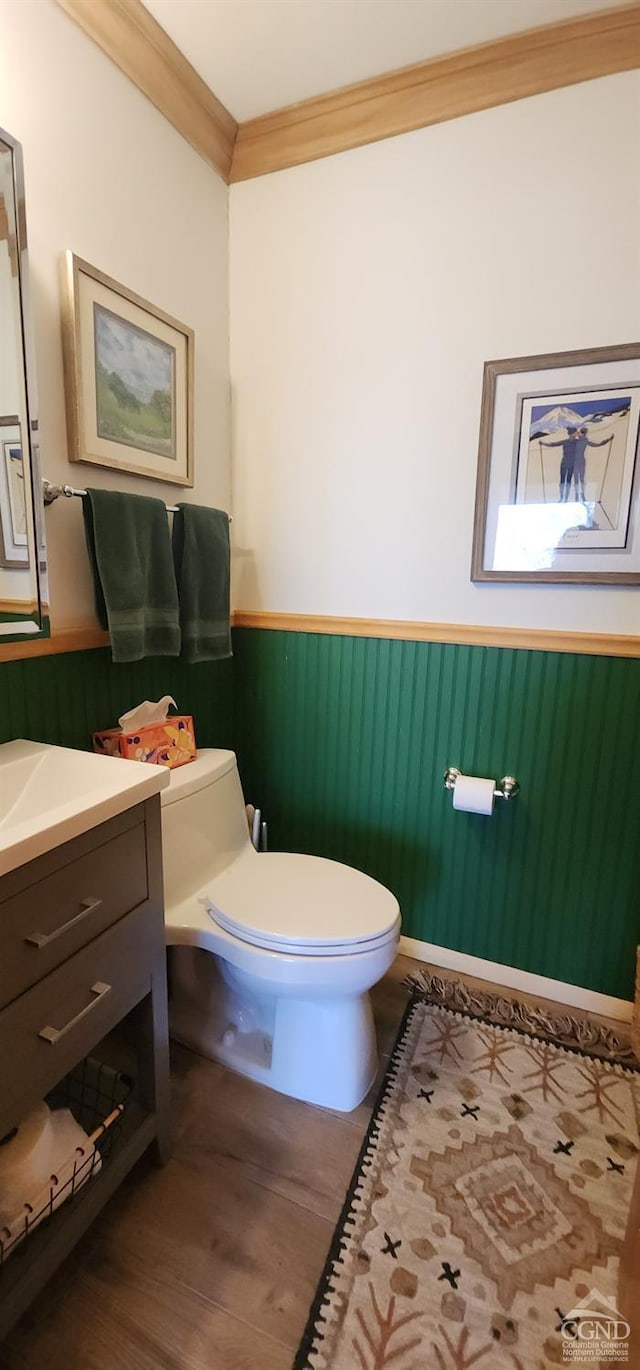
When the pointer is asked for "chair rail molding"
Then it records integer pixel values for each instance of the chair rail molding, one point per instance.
(86, 637)
(464, 634)
(82, 638)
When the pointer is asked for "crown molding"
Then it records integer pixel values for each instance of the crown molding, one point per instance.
(134, 40)
(464, 82)
(477, 78)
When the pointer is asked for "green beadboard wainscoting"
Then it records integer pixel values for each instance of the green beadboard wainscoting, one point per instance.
(343, 742)
(63, 699)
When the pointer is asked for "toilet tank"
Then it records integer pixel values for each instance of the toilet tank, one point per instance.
(204, 824)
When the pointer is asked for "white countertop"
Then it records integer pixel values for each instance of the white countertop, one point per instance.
(50, 794)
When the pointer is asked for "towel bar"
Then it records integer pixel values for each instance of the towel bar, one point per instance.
(52, 492)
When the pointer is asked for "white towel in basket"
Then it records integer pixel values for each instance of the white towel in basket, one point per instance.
(47, 1161)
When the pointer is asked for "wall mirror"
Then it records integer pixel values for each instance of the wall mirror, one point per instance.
(23, 575)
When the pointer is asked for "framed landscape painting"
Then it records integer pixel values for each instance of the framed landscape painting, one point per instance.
(128, 378)
(558, 488)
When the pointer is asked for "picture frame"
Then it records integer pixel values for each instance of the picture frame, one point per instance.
(128, 369)
(558, 482)
(14, 542)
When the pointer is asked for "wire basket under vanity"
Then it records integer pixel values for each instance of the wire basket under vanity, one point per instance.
(97, 1096)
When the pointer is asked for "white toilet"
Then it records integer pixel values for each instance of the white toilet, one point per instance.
(272, 954)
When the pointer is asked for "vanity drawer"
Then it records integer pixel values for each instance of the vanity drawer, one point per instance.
(45, 1032)
(50, 920)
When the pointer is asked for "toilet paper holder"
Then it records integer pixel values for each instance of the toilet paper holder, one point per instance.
(507, 788)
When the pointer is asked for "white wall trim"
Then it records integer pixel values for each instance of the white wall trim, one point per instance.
(513, 978)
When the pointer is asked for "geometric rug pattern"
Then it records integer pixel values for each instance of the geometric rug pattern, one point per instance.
(489, 1203)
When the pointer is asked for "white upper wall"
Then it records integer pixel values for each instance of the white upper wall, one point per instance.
(108, 177)
(367, 291)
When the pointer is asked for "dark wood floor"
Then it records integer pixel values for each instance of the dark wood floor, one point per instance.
(211, 1262)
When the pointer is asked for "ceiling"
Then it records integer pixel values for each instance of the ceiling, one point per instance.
(258, 55)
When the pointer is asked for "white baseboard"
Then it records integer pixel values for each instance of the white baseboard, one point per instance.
(512, 978)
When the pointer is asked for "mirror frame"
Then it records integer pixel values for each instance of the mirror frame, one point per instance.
(40, 619)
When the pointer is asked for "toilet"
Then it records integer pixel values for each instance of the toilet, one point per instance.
(272, 954)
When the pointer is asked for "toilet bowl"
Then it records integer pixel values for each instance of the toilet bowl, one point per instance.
(272, 954)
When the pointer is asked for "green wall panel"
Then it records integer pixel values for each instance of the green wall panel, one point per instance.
(343, 741)
(63, 699)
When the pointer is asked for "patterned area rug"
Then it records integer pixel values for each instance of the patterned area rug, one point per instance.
(488, 1206)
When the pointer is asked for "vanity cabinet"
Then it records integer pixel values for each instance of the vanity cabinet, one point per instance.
(82, 948)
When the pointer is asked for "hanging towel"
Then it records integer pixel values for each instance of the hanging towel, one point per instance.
(201, 555)
(134, 580)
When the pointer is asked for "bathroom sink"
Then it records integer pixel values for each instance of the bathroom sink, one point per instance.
(51, 794)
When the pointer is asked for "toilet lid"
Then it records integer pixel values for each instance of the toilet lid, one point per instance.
(304, 904)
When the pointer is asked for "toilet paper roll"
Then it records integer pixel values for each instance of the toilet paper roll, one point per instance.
(473, 794)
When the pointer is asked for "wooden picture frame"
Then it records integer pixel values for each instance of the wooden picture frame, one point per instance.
(558, 484)
(128, 378)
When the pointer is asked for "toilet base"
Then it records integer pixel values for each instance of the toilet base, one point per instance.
(321, 1050)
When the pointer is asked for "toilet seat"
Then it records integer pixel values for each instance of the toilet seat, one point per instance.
(301, 905)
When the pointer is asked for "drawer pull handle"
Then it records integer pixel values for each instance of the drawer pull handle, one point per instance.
(53, 1035)
(42, 939)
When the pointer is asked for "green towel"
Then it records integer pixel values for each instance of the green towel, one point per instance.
(134, 580)
(201, 555)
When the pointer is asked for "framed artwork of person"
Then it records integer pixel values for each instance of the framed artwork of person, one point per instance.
(558, 486)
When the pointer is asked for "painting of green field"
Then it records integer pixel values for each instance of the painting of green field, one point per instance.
(135, 385)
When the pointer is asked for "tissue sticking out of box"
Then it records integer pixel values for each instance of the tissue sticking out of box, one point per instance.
(145, 714)
(147, 733)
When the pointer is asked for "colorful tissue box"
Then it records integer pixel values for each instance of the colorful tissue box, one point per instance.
(170, 744)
